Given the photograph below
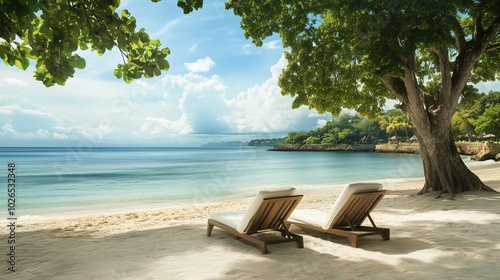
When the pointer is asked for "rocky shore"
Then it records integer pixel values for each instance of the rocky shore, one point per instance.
(324, 148)
(478, 151)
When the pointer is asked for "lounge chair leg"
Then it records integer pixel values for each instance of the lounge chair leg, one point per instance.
(263, 248)
(291, 236)
(210, 227)
(386, 234)
(299, 239)
(353, 239)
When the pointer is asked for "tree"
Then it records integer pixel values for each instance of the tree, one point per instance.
(405, 123)
(296, 137)
(369, 128)
(490, 99)
(388, 123)
(464, 121)
(51, 33)
(489, 122)
(392, 121)
(355, 54)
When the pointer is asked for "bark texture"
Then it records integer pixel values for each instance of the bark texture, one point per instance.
(431, 114)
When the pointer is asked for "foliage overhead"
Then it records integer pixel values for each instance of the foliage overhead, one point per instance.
(53, 32)
(339, 52)
(357, 53)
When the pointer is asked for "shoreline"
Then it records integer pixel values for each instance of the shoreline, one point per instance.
(430, 239)
(63, 213)
(468, 149)
(488, 169)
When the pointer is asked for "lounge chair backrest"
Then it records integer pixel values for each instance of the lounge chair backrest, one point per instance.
(257, 201)
(273, 213)
(344, 196)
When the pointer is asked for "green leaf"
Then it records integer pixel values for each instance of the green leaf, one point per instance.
(51, 32)
(83, 46)
(19, 64)
(157, 71)
(118, 73)
(80, 63)
(125, 14)
(163, 64)
(128, 79)
(122, 42)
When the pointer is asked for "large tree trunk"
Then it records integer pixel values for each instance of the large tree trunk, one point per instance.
(444, 169)
(431, 116)
(431, 112)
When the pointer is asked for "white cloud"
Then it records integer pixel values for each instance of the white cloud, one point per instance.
(158, 127)
(272, 45)
(203, 107)
(200, 101)
(201, 65)
(193, 48)
(168, 26)
(8, 131)
(182, 108)
(246, 49)
(25, 120)
(262, 108)
(192, 105)
(12, 81)
(321, 123)
(60, 136)
(193, 83)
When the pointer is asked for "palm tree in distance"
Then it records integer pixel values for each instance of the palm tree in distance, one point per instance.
(464, 120)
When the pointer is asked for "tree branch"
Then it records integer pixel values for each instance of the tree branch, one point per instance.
(478, 27)
(397, 87)
(468, 57)
(446, 96)
(492, 48)
(84, 8)
(459, 33)
(487, 36)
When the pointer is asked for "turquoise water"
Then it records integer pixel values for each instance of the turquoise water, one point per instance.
(58, 181)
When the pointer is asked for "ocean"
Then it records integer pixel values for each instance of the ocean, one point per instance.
(68, 181)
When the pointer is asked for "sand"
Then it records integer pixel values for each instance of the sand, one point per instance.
(430, 239)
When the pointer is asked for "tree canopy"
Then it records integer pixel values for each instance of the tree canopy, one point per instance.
(357, 53)
(471, 117)
(344, 129)
(489, 121)
(52, 33)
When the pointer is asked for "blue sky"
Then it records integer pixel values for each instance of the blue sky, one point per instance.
(220, 87)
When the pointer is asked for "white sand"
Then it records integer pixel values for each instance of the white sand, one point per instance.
(430, 239)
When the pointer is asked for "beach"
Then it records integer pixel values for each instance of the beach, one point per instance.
(430, 239)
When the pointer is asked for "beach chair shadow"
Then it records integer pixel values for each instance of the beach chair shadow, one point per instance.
(347, 214)
(268, 212)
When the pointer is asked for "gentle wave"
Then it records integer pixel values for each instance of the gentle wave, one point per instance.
(59, 180)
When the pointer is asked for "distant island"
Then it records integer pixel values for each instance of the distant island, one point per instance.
(270, 142)
(224, 144)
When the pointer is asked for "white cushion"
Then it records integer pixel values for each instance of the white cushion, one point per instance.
(325, 220)
(230, 219)
(346, 193)
(308, 216)
(240, 220)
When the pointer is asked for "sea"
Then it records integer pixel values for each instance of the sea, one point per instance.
(66, 181)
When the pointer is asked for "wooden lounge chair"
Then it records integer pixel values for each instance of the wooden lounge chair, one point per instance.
(347, 214)
(268, 212)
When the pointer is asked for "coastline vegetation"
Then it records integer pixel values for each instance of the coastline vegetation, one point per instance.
(475, 120)
(267, 142)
